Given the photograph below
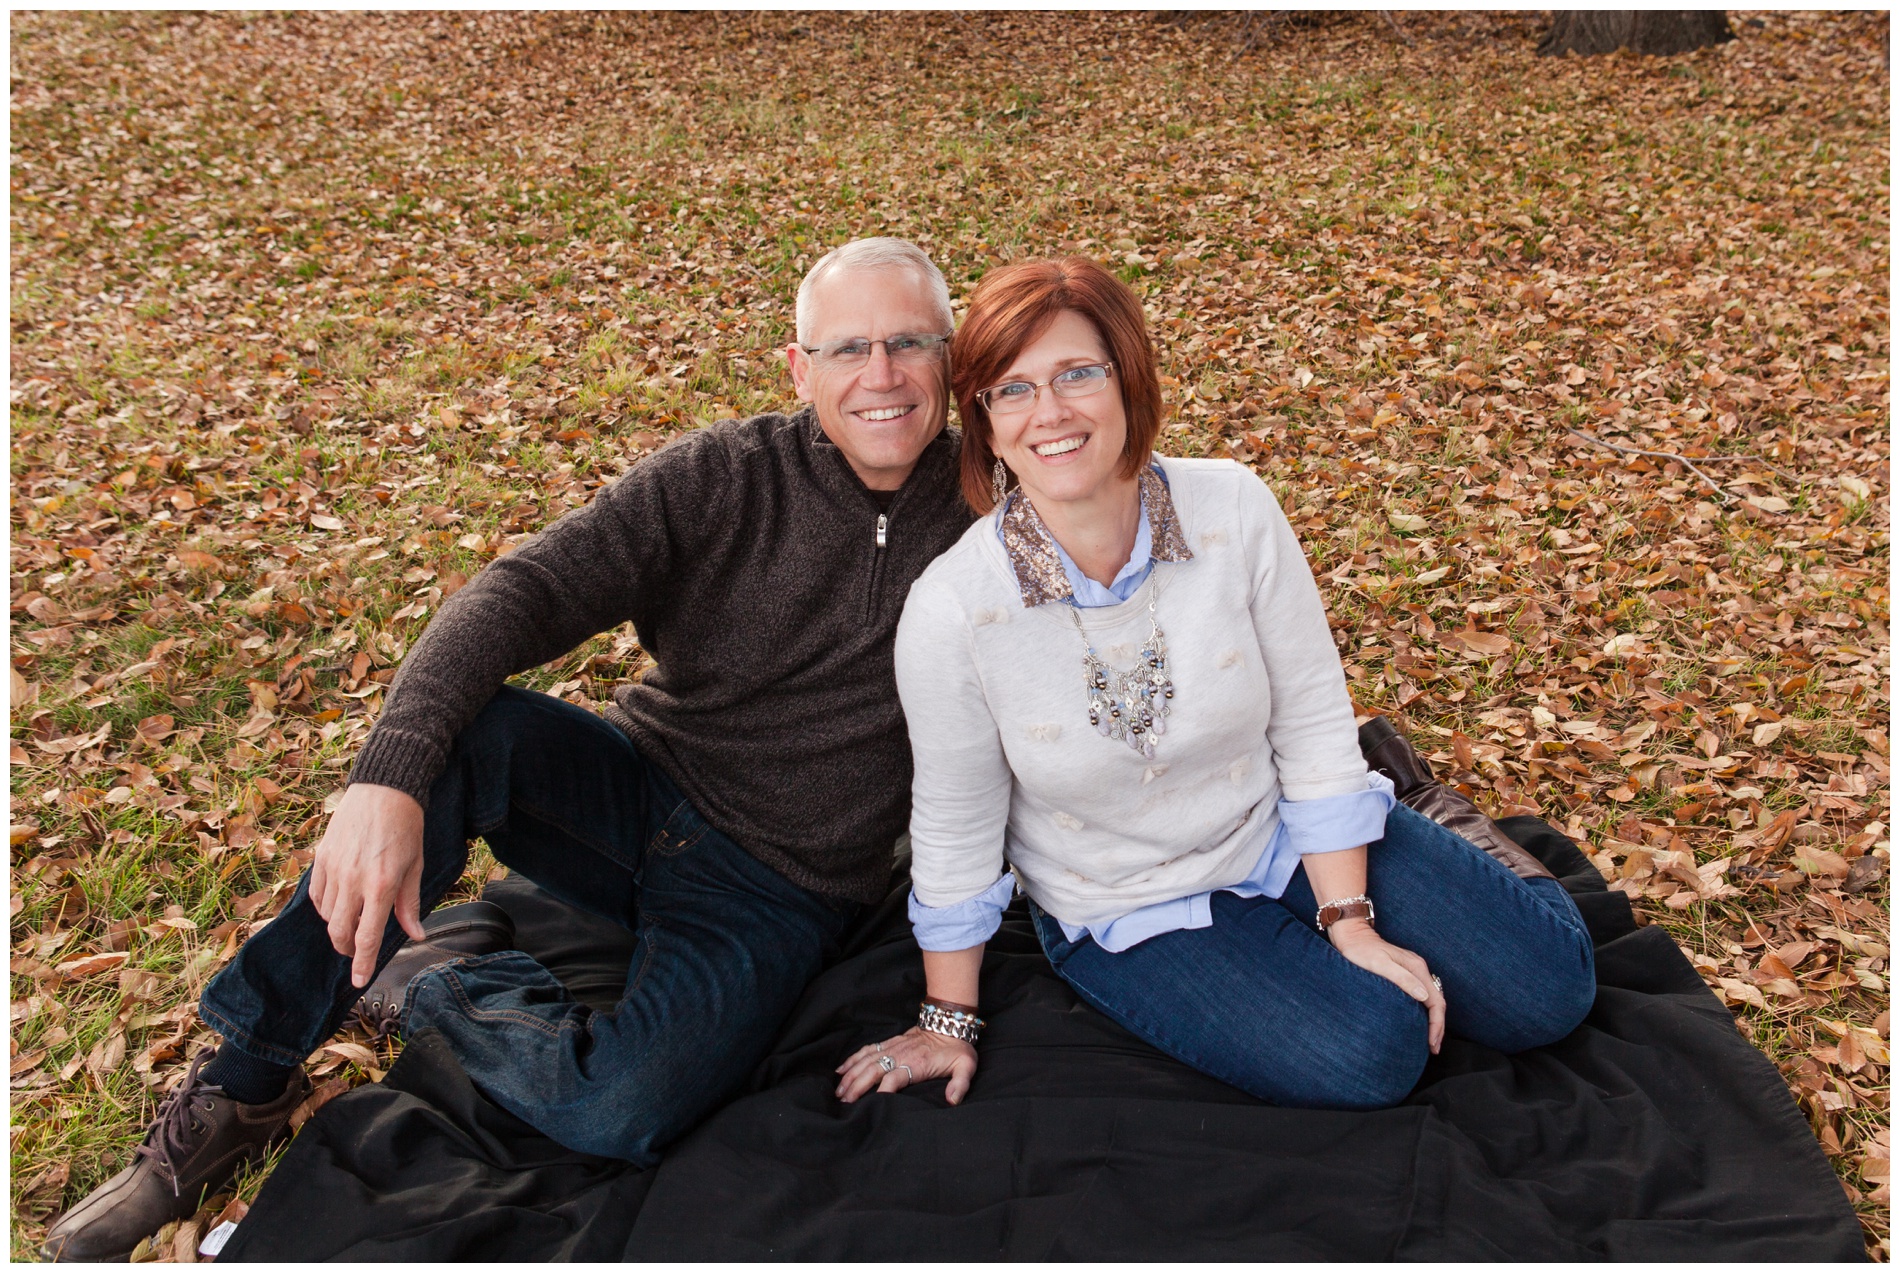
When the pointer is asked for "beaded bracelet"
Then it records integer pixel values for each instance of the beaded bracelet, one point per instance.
(951, 1024)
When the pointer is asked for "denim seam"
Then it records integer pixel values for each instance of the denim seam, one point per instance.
(1563, 908)
(246, 1042)
(469, 1010)
(1038, 918)
(650, 936)
(677, 845)
(681, 843)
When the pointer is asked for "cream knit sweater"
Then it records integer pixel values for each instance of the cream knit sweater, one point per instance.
(1008, 767)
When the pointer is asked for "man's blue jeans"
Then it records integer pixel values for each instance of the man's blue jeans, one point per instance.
(1261, 1000)
(725, 945)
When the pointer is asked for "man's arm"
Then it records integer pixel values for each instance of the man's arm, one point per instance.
(585, 574)
(580, 577)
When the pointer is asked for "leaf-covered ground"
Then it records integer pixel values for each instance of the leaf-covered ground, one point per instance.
(313, 315)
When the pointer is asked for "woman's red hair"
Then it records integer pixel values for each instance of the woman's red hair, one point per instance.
(1010, 308)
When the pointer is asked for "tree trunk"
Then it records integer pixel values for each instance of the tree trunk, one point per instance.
(1657, 32)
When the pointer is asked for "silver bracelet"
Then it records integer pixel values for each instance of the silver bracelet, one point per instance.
(955, 1025)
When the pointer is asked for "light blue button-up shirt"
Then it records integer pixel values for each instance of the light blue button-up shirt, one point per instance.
(1326, 825)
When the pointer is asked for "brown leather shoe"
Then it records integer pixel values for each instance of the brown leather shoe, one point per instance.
(453, 932)
(1387, 751)
(195, 1145)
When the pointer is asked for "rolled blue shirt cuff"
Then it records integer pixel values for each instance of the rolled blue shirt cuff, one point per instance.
(1150, 921)
(1332, 823)
(964, 924)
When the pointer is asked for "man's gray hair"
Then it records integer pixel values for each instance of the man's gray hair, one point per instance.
(875, 254)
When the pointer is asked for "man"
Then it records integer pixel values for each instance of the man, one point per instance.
(736, 809)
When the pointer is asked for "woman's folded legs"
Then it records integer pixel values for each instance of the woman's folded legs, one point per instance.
(1261, 1000)
(1514, 955)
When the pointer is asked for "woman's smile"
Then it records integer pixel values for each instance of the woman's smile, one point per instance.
(1061, 446)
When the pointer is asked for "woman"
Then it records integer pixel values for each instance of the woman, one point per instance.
(1121, 686)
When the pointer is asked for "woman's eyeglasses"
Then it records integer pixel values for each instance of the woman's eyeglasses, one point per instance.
(1020, 395)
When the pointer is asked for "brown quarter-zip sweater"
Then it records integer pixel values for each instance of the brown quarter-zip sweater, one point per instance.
(766, 584)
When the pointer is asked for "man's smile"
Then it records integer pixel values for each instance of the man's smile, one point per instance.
(877, 415)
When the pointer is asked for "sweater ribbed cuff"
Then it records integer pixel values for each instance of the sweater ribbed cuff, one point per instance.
(403, 761)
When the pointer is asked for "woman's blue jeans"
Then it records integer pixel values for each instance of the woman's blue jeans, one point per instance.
(725, 945)
(1262, 1001)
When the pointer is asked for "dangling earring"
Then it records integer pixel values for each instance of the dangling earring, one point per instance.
(999, 481)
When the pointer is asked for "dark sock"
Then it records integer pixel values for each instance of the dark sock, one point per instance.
(245, 1078)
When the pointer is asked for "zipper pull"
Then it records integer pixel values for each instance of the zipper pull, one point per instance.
(883, 523)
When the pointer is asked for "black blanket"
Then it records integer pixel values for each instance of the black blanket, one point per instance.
(1654, 1132)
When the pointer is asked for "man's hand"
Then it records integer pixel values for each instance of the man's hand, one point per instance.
(916, 1055)
(1356, 940)
(369, 860)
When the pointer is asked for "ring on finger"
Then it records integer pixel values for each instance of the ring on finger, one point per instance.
(1440, 985)
(886, 1064)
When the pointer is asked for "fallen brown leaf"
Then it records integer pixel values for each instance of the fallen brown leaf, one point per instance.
(91, 965)
(1486, 643)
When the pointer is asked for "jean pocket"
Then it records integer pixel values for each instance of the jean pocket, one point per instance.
(683, 829)
(1055, 945)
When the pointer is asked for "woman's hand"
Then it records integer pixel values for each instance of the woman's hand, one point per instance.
(1356, 940)
(916, 1055)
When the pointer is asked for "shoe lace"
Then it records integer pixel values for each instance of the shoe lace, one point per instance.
(383, 1020)
(170, 1139)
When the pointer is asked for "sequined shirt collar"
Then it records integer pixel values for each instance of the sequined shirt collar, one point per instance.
(1032, 549)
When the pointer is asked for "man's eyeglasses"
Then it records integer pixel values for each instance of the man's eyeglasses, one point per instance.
(1020, 395)
(914, 349)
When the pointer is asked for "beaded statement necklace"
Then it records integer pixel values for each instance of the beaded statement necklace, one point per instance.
(1130, 706)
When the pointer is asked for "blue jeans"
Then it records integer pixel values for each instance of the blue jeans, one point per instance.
(724, 944)
(1262, 1001)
